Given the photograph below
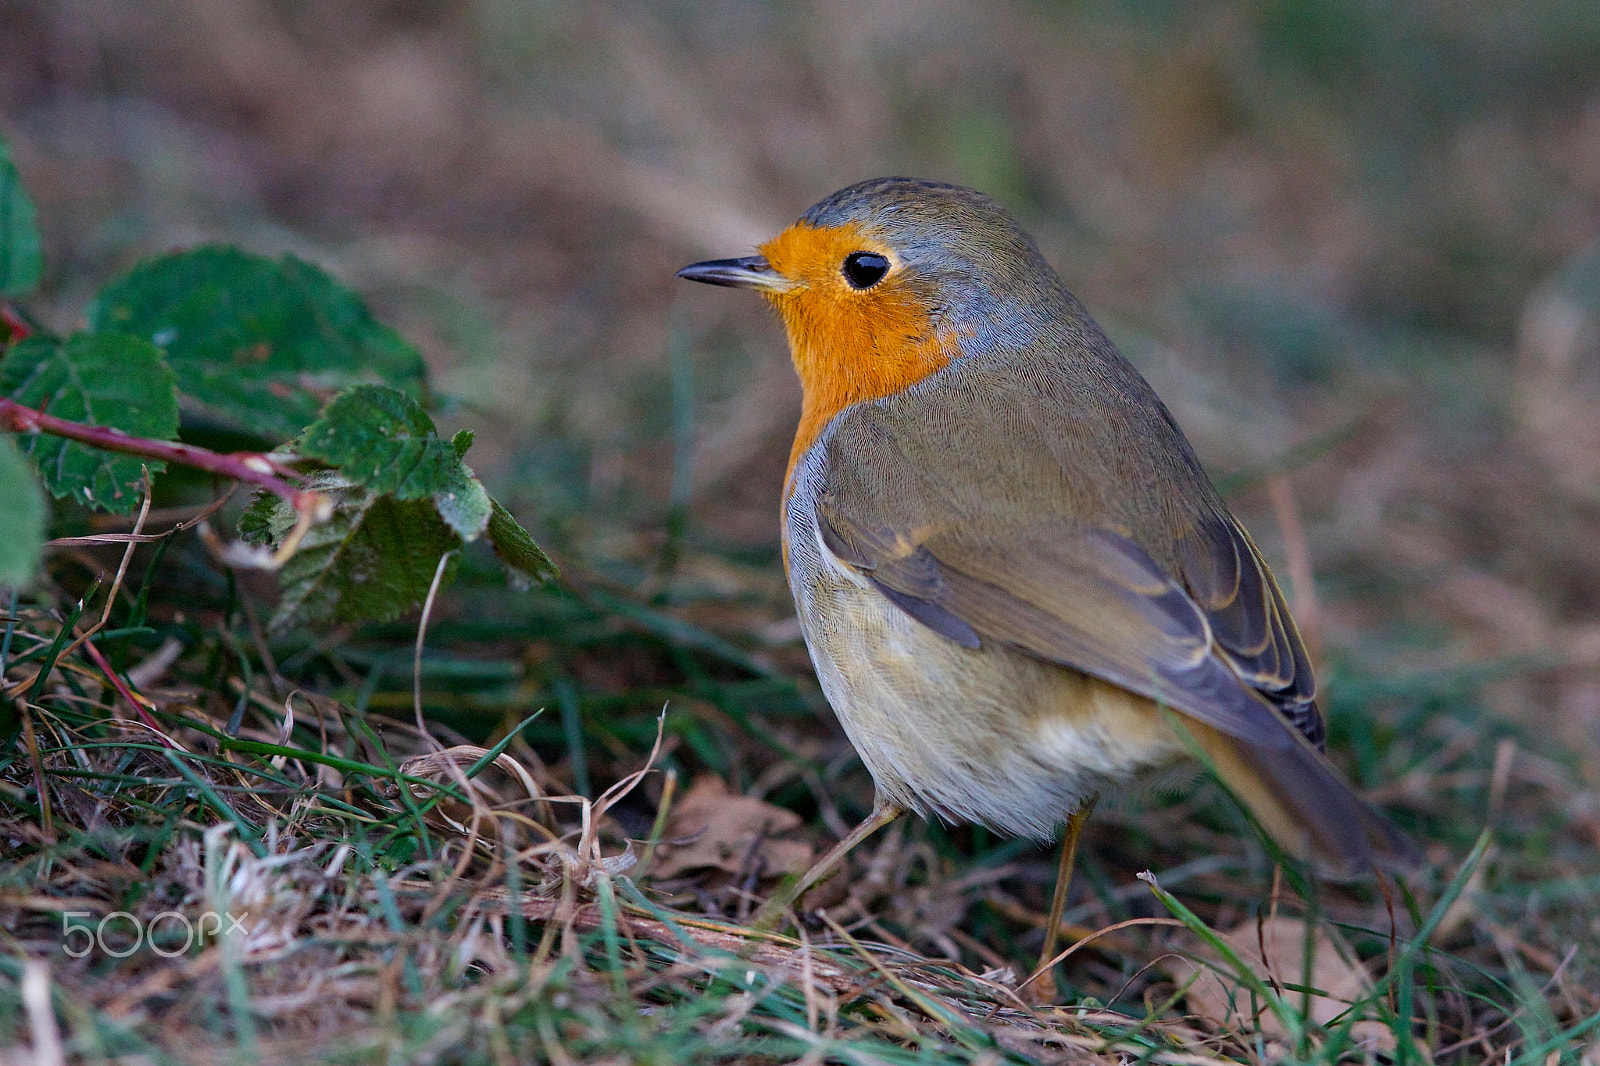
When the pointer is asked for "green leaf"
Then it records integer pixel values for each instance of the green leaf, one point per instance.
(258, 344)
(528, 563)
(98, 379)
(21, 255)
(266, 520)
(21, 519)
(370, 562)
(382, 439)
(464, 504)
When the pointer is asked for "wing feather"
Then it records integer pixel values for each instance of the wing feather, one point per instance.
(1088, 599)
(1223, 571)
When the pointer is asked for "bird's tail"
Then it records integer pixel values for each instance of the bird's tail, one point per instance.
(1307, 806)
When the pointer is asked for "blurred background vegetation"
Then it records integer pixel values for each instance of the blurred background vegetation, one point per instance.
(1351, 243)
(1304, 219)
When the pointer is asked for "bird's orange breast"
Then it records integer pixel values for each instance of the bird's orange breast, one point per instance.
(849, 345)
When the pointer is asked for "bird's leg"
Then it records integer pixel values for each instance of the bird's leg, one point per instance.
(1058, 901)
(883, 812)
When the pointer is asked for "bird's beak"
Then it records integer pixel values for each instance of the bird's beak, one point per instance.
(751, 272)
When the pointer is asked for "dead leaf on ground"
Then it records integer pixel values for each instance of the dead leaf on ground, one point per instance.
(711, 827)
(1217, 997)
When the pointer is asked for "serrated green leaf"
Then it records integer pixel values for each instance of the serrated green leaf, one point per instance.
(21, 254)
(370, 562)
(464, 504)
(99, 379)
(266, 520)
(22, 518)
(463, 441)
(258, 344)
(381, 438)
(269, 517)
(526, 561)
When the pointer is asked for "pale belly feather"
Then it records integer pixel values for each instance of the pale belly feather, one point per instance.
(987, 735)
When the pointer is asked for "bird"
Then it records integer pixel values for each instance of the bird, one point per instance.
(1018, 586)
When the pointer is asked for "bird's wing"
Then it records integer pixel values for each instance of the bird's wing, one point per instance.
(1075, 524)
(1082, 597)
(1224, 574)
(1205, 631)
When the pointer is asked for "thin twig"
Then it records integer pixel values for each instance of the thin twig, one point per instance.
(252, 468)
(1072, 949)
(194, 519)
(127, 557)
(422, 636)
(128, 694)
(31, 743)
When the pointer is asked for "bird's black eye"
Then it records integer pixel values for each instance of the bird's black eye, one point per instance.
(863, 270)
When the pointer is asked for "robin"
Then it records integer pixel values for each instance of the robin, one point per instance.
(1017, 584)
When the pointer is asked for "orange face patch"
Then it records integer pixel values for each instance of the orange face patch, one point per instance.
(849, 345)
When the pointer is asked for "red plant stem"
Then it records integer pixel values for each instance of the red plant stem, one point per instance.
(252, 468)
(125, 690)
(13, 323)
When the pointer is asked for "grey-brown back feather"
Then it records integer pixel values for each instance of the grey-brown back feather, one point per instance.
(1073, 521)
